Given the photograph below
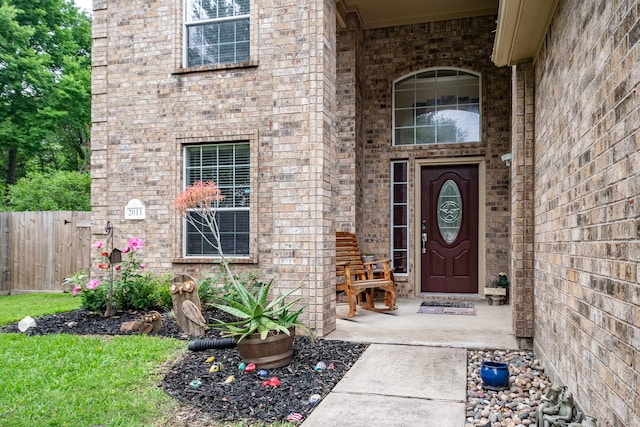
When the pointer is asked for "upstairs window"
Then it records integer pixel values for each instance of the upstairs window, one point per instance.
(437, 106)
(228, 166)
(216, 32)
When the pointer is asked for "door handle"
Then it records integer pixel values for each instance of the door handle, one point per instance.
(424, 243)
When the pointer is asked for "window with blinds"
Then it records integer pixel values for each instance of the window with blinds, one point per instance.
(228, 166)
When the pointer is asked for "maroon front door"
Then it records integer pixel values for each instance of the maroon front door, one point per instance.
(449, 229)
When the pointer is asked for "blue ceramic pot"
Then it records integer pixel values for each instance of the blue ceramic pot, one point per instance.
(495, 374)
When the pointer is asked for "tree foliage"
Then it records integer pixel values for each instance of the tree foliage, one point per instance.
(45, 87)
(58, 191)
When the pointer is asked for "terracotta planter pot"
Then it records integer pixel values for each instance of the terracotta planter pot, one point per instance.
(273, 352)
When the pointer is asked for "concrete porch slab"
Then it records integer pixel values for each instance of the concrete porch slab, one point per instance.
(491, 327)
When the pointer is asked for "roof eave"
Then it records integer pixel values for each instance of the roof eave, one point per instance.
(521, 28)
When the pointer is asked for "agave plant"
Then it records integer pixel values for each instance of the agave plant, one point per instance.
(198, 204)
(256, 314)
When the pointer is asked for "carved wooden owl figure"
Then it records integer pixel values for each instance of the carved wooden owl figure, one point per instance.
(187, 308)
(154, 320)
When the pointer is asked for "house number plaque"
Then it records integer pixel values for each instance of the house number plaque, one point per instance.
(134, 210)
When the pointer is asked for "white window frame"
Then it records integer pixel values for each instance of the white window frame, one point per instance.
(186, 168)
(187, 23)
(405, 220)
(456, 104)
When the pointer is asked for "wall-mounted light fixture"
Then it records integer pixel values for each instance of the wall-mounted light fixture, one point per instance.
(506, 158)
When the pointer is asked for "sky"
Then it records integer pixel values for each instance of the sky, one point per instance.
(84, 4)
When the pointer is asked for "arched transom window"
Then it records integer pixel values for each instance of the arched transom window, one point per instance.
(437, 106)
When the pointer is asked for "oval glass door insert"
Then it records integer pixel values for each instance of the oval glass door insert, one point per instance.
(449, 211)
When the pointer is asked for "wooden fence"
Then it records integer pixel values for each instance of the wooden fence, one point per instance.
(39, 249)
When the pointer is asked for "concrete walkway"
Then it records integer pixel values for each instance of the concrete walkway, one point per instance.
(415, 371)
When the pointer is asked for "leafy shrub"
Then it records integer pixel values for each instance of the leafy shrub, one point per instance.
(95, 299)
(164, 296)
(139, 292)
(222, 288)
(58, 191)
(208, 290)
(125, 286)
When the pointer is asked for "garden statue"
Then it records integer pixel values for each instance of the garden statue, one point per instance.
(550, 403)
(186, 307)
(153, 322)
(564, 413)
(588, 421)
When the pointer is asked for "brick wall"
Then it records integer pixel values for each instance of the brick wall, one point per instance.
(587, 206)
(317, 114)
(390, 53)
(349, 119)
(146, 107)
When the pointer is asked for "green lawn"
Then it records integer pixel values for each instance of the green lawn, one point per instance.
(67, 380)
(75, 381)
(70, 380)
(15, 307)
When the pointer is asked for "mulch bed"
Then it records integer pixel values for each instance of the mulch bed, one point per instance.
(190, 381)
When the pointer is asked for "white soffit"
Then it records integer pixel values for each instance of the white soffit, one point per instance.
(522, 25)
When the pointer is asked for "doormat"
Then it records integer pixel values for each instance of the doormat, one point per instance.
(448, 307)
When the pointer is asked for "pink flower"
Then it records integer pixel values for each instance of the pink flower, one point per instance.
(76, 290)
(141, 266)
(93, 283)
(98, 244)
(134, 243)
(126, 250)
(117, 268)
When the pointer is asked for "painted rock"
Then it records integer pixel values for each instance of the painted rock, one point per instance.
(250, 367)
(271, 382)
(314, 398)
(320, 366)
(216, 367)
(294, 417)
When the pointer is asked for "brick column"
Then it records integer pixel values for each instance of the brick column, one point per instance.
(522, 182)
(349, 125)
(303, 158)
(99, 118)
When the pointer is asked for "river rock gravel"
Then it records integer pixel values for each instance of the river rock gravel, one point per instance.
(516, 405)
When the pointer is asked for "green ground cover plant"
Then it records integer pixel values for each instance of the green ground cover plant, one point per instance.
(15, 307)
(67, 380)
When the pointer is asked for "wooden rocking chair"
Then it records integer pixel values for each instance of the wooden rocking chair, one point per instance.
(356, 278)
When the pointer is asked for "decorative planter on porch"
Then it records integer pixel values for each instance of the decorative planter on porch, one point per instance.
(495, 375)
(495, 295)
(273, 352)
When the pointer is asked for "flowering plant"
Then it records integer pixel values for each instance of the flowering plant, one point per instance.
(123, 273)
(248, 304)
(198, 204)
